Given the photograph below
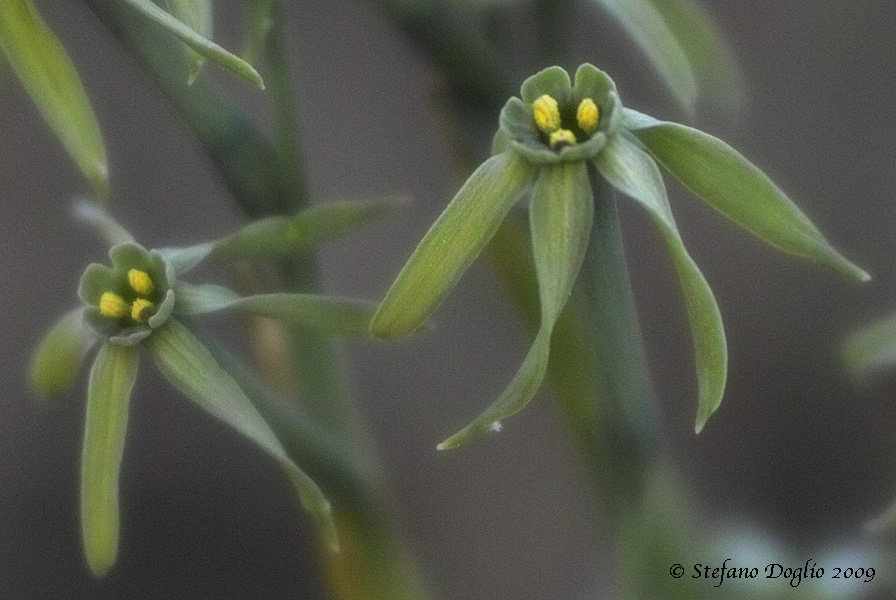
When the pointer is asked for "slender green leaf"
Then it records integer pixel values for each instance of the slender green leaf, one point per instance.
(344, 316)
(452, 244)
(191, 368)
(108, 228)
(872, 347)
(108, 398)
(49, 76)
(735, 187)
(561, 215)
(197, 15)
(646, 26)
(61, 353)
(278, 236)
(197, 42)
(634, 173)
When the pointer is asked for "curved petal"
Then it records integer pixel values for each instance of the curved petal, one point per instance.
(452, 244)
(561, 215)
(634, 173)
(61, 353)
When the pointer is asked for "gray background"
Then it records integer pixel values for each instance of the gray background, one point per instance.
(796, 450)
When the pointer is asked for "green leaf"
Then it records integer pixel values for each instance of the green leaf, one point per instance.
(735, 187)
(872, 347)
(108, 398)
(61, 353)
(452, 244)
(561, 215)
(634, 173)
(277, 236)
(191, 368)
(203, 46)
(343, 316)
(197, 15)
(108, 228)
(645, 24)
(258, 26)
(49, 76)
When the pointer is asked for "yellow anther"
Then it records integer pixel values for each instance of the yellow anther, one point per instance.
(561, 138)
(140, 282)
(142, 309)
(547, 114)
(588, 116)
(112, 305)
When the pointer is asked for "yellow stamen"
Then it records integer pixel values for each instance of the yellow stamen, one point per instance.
(588, 116)
(547, 114)
(140, 282)
(561, 138)
(142, 310)
(112, 305)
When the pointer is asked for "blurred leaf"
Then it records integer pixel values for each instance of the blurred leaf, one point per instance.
(61, 353)
(735, 187)
(108, 228)
(49, 76)
(108, 398)
(258, 27)
(203, 46)
(191, 368)
(197, 15)
(872, 347)
(452, 244)
(336, 315)
(645, 24)
(277, 236)
(561, 215)
(634, 173)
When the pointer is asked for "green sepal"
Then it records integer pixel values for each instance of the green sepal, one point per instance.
(561, 215)
(341, 316)
(197, 15)
(731, 184)
(191, 368)
(108, 228)
(60, 355)
(108, 397)
(872, 347)
(277, 236)
(452, 243)
(631, 171)
(50, 78)
(203, 46)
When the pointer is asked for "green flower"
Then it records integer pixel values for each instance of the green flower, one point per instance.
(570, 144)
(140, 300)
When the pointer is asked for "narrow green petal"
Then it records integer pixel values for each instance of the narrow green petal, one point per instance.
(108, 228)
(561, 216)
(197, 42)
(44, 68)
(872, 347)
(452, 244)
(343, 316)
(191, 368)
(634, 173)
(646, 26)
(61, 353)
(197, 15)
(108, 398)
(735, 187)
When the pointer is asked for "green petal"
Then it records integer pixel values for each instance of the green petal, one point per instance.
(108, 397)
(190, 367)
(108, 228)
(342, 316)
(48, 75)
(277, 236)
(735, 187)
(645, 24)
(634, 173)
(872, 347)
(61, 353)
(561, 215)
(553, 81)
(197, 42)
(452, 244)
(197, 15)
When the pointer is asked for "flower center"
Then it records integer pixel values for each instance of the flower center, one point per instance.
(140, 309)
(546, 113)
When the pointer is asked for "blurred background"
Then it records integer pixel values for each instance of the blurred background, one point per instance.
(797, 453)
